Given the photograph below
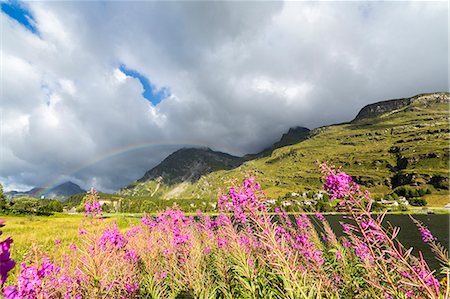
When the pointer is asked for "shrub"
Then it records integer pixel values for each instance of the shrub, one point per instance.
(417, 202)
(421, 192)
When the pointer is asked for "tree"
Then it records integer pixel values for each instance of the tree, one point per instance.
(25, 205)
(106, 207)
(414, 193)
(3, 203)
(55, 206)
(422, 192)
(417, 202)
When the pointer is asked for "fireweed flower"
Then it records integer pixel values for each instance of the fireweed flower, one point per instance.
(11, 292)
(92, 206)
(6, 263)
(131, 256)
(338, 185)
(426, 234)
(161, 275)
(93, 209)
(73, 246)
(148, 221)
(427, 276)
(34, 282)
(243, 201)
(207, 250)
(112, 237)
(131, 287)
(362, 251)
(320, 217)
(221, 242)
(346, 244)
(376, 246)
(135, 230)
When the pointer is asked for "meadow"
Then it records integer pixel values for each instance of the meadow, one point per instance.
(243, 252)
(42, 231)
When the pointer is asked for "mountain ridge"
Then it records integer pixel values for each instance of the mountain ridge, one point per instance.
(189, 164)
(60, 192)
(365, 146)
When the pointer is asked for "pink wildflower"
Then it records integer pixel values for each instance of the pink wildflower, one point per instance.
(73, 246)
(112, 237)
(426, 234)
(320, 217)
(222, 242)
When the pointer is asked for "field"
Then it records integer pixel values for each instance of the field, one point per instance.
(44, 230)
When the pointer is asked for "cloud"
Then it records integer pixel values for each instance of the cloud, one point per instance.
(239, 75)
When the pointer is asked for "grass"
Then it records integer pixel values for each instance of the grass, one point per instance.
(436, 200)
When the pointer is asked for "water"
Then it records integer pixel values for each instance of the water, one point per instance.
(409, 235)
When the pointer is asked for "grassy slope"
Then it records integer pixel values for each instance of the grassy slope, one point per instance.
(364, 149)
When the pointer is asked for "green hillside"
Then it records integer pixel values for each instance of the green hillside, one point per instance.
(389, 144)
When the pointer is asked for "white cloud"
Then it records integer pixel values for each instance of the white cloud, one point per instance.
(239, 74)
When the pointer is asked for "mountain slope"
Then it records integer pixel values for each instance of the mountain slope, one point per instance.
(293, 136)
(186, 165)
(64, 190)
(61, 191)
(390, 143)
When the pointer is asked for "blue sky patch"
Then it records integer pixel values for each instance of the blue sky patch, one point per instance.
(18, 11)
(150, 92)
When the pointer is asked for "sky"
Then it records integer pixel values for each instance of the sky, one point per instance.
(100, 92)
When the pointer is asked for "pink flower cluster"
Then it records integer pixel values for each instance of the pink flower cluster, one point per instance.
(112, 238)
(377, 247)
(43, 281)
(6, 263)
(243, 201)
(93, 209)
(338, 185)
(426, 235)
(92, 206)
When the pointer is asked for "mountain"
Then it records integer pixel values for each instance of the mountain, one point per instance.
(293, 136)
(380, 108)
(185, 165)
(189, 164)
(389, 144)
(61, 191)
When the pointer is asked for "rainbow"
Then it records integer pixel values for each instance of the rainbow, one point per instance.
(120, 151)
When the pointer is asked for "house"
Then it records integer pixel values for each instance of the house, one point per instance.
(114, 203)
(403, 200)
(393, 203)
(71, 211)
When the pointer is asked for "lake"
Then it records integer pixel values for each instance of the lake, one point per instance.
(409, 234)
